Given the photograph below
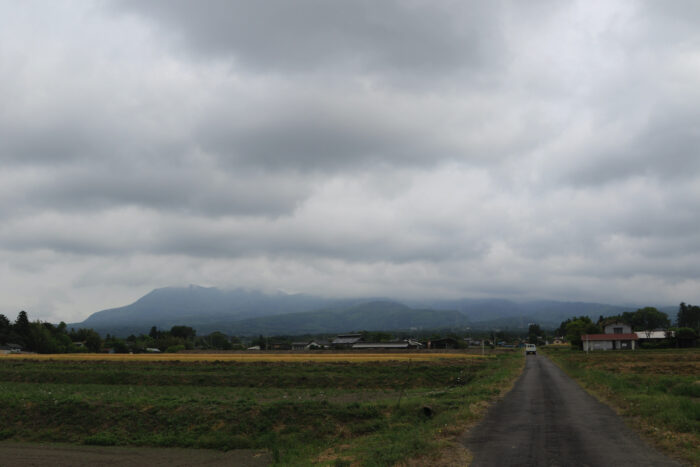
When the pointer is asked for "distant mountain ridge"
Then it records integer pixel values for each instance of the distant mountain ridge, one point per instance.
(200, 307)
(372, 316)
(250, 312)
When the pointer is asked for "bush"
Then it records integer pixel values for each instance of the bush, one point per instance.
(101, 439)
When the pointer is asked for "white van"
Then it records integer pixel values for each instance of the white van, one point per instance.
(530, 348)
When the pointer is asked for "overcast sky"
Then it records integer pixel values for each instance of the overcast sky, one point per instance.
(525, 149)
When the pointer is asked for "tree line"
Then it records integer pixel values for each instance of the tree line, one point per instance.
(42, 337)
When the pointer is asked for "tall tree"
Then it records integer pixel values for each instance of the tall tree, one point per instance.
(533, 332)
(578, 327)
(4, 322)
(688, 316)
(185, 332)
(646, 319)
(21, 326)
(5, 329)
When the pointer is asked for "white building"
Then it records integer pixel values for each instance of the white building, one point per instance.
(617, 336)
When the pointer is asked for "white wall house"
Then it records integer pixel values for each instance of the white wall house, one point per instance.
(617, 336)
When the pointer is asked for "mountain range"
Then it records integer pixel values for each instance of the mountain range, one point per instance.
(250, 312)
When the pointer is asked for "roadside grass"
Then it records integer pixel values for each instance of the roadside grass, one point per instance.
(303, 413)
(657, 391)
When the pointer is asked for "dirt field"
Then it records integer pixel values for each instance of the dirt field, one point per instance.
(14, 454)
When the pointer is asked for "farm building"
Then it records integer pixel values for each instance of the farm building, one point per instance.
(10, 348)
(617, 336)
(345, 341)
(279, 346)
(407, 344)
(311, 345)
(654, 335)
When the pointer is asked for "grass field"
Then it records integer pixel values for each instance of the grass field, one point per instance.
(354, 410)
(657, 391)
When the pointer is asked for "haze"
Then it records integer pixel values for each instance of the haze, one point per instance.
(538, 149)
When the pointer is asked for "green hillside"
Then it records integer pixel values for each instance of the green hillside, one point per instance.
(375, 315)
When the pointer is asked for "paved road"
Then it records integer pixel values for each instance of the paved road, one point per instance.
(548, 420)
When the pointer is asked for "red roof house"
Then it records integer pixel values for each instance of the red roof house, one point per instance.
(617, 336)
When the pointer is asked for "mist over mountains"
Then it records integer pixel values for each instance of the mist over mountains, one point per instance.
(249, 312)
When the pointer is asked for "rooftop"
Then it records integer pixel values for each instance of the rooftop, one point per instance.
(609, 337)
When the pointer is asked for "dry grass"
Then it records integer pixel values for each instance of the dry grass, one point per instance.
(250, 357)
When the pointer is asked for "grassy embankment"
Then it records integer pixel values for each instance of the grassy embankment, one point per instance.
(316, 412)
(657, 391)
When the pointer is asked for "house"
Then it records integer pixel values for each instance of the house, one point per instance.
(617, 336)
(345, 341)
(10, 348)
(311, 345)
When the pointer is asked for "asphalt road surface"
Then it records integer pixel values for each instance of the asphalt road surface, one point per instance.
(548, 420)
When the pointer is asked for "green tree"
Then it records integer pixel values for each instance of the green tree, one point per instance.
(93, 341)
(688, 316)
(21, 326)
(646, 319)
(377, 336)
(184, 332)
(4, 322)
(218, 340)
(578, 327)
(261, 341)
(686, 337)
(5, 329)
(117, 345)
(39, 339)
(533, 333)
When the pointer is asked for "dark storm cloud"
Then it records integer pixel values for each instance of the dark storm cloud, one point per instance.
(310, 135)
(185, 190)
(405, 37)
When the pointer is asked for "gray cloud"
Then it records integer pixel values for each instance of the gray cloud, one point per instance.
(524, 150)
(390, 37)
(311, 135)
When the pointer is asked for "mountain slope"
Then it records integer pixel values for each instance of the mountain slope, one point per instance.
(505, 314)
(245, 312)
(370, 316)
(195, 306)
